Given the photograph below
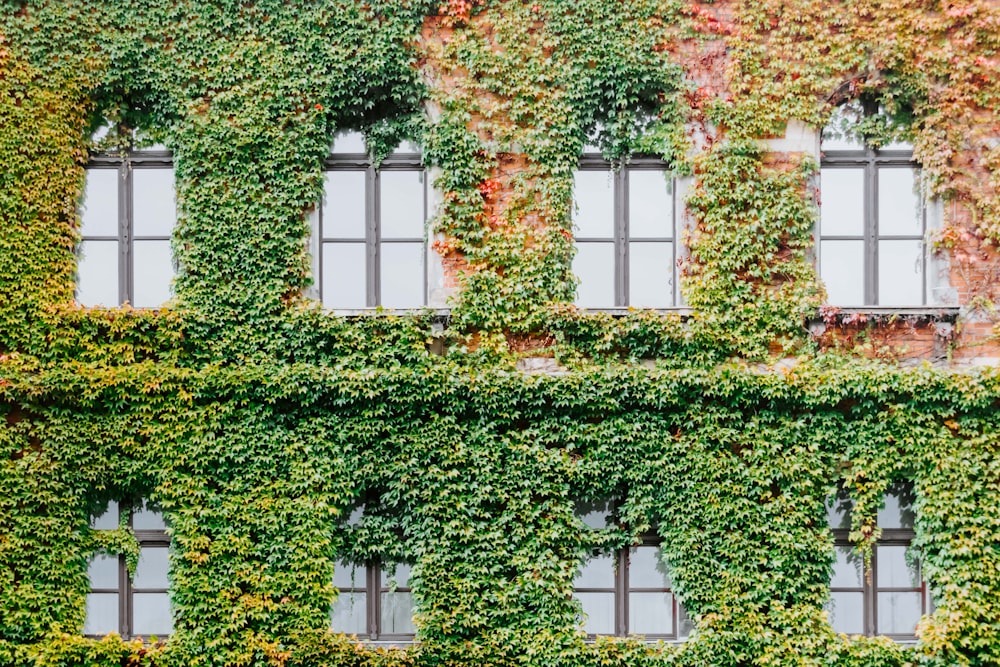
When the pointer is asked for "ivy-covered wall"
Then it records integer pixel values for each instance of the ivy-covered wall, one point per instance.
(258, 422)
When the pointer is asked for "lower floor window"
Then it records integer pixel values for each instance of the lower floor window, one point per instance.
(137, 606)
(373, 602)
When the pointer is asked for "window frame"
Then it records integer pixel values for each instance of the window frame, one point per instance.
(874, 161)
(373, 590)
(621, 237)
(373, 241)
(124, 163)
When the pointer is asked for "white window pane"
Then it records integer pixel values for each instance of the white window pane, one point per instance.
(838, 513)
(896, 514)
(847, 568)
(898, 612)
(900, 273)
(646, 569)
(894, 571)
(402, 275)
(650, 204)
(152, 569)
(596, 572)
(97, 273)
(103, 571)
(399, 577)
(651, 613)
(598, 612)
(349, 141)
(401, 213)
(899, 210)
(154, 207)
(594, 515)
(594, 204)
(102, 614)
(594, 265)
(651, 274)
(344, 275)
(349, 613)
(842, 269)
(346, 575)
(108, 520)
(151, 614)
(842, 197)
(99, 209)
(397, 613)
(344, 205)
(685, 624)
(846, 612)
(154, 273)
(147, 519)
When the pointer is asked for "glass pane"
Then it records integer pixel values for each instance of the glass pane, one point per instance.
(400, 576)
(898, 613)
(349, 614)
(108, 520)
(646, 569)
(102, 614)
(344, 205)
(99, 209)
(596, 572)
(898, 510)
(151, 614)
(651, 275)
(344, 275)
(594, 204)
(152, 569)
(685, 624)
(147, 519)
(899, 210)
(346, 575)
(847, 612)
(97, 273)
(842, 269)
(349, 141)
(598, 612)
(402, 273)
(893, 570)
(103, 572)
(402, 204)
(594, 515)
(838, 513)
(848, 567)
(594, 265)
(154, 273)
(842, 210)
(900, 273)
(154, 207)
(651, 613)
(650, 204)
(397, 614)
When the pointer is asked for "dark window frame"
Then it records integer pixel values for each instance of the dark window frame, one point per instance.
(373, 241)
(373, 589)
(621, 236)
(124, 163)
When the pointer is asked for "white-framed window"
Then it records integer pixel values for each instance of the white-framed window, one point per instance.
(137, 606)
(893, 598)
(625, 234)
(374, 602)
(873, 222)
(368, 234)
(128, 213)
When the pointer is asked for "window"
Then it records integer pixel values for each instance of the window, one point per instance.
(629, 592)
(872, 224)
(374, 602)
(892, 600)
(127, 215)
(134, 607)
(368, 234)
(625, 234)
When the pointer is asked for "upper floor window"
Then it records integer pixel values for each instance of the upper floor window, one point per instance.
(629, 592)
(127, 216)
(373, 602)
(872, 225)
(131, 606)
(625, 234)
(368, 239)
(891, 601)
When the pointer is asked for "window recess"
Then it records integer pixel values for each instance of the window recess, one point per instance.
(374, 602)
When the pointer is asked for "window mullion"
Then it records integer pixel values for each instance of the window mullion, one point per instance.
(621, 594)
(372, 237)
(374, 595)
(871, 230)
(621, 237)
(125, 231)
